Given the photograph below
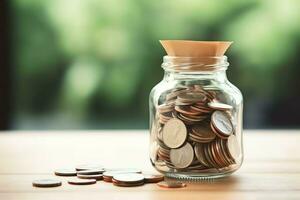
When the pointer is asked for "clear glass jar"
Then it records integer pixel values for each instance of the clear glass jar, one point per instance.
(196, 119)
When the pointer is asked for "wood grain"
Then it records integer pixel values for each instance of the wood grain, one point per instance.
(271, 168)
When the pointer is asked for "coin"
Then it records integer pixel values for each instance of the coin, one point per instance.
(94, 176)
(182, 157)
(46, 183)
(153, 178)
(171, 184)
(203, 133)
(108, 175)
(91, 171)
(78, 181)
(65, 172)
(129, 177)
(219, 106)
(222, 123)
(88, 167)
(233, 147)
(200, 154)
(174, 133)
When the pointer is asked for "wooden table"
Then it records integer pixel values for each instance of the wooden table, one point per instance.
(271, 168)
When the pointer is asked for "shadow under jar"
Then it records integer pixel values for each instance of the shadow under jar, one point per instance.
(196, 119)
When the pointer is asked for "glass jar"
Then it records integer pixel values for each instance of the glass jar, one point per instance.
(196, 119)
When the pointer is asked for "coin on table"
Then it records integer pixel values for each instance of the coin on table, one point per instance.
(90, 171)
(129, 177)
(78, 181)
(46, 183)
(108, 175)
(222, 123)
(65, 172)
(93, 176)
(219, 106)
(233, 147)
(128, 180)
(183, 156)
(174, 133)
(153, 178)
(171, 184)
(88, 167)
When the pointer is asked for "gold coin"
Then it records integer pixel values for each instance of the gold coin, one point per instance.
(183, 156)
(171, 184)
(174, 133)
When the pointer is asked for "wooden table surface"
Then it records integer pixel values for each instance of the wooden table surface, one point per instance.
(271, 167)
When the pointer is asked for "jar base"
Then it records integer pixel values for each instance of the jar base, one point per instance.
(196, 177)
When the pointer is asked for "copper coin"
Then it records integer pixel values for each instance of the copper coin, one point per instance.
(65, 172)
(94, 176)
(171, 184)
(222, 123)
(91, 171)
(88, 167)
(46, 183)
(183, 156)
(124, 184)
(174, 133)
(78, 181)
(153, 178)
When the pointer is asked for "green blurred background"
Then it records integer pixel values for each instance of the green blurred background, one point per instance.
(90, 64)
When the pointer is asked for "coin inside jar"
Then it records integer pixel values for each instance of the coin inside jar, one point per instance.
(219, 106)
(174, 133)
(233, 147)
(183, 156)
(222, 123)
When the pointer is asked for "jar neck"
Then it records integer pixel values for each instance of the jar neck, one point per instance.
(195, 68)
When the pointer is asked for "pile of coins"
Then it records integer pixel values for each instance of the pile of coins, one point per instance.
(90, 174)
(193, 132)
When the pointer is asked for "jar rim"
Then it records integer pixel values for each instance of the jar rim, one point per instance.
(194, 64)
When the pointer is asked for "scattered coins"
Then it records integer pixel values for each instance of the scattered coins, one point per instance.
(193, 132)
(46, 183)
(78, 181)
(171, 184)
(65, 172)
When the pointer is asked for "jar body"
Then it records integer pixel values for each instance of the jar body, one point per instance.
(196, 125)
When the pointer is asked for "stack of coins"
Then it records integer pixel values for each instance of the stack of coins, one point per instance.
(194, 131)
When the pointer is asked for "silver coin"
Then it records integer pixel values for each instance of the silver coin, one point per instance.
(65, 172)
(91, 171)
(183, 156)
(94, 176)
(78, 181)
(129, 177)
(222, 123)
(174, 133)
(46, 183)
(219, 106)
